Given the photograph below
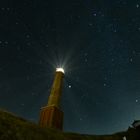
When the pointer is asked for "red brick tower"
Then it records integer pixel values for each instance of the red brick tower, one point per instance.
(51, 115)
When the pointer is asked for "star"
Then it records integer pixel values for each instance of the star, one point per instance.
(137, 5)
(90, 24)
(22, 104)
(104, 84)
(27, 36)
(6, 42)
(131, 59)
(112, 59)
(137, 100)
(33, 93)
(86, 54)
(86, 59)
(114, 30)
(28, 78)
(81, 119)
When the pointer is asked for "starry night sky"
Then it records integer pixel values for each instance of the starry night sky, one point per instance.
(98, 44)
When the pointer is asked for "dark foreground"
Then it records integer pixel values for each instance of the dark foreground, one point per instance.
(16, 128)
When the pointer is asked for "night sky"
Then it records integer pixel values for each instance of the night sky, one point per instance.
(98, 44)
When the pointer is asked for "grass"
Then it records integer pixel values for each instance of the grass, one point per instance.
(13, 127)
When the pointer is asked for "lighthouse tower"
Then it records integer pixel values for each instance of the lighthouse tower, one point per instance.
(51, 116)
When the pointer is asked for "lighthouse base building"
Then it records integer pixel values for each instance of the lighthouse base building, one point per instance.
(52, 117)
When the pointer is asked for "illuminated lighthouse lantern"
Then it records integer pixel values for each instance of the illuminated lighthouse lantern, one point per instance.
(51, 116)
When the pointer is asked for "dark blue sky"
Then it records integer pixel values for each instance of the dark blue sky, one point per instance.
(98, 44)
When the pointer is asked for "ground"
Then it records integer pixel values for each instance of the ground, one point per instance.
(13, 127)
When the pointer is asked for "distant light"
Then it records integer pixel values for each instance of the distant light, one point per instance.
(60, 70)
(69, 86)
(124, 138)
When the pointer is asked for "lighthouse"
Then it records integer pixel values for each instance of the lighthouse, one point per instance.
(51, 115)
